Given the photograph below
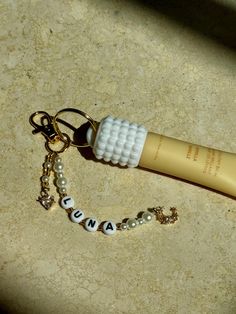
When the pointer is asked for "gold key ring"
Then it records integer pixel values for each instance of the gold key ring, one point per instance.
(93, 123)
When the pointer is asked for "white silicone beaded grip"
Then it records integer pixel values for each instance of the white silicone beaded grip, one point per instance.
(118, 141)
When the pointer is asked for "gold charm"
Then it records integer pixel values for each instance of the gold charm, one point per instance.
(46, 200)
(166, 219)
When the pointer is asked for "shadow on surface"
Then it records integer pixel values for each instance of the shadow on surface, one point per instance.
(215, 20)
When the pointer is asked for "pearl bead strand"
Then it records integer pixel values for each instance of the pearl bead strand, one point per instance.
(92, 224)
(61, 181)
(132, 223)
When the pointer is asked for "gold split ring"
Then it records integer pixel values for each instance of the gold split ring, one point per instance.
(66, 143)
(62, 136)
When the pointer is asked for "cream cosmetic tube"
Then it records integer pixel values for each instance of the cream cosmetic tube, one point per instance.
(129, 144)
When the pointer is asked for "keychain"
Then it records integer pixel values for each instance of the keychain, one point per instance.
(113, 140)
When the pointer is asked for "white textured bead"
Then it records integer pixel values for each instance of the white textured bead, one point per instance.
(109, 119)
(107, 125)
(104, 137)
(100, 152)
(105, 131)
(117, 151)
(132, 132)
(120, 143)
(125, 123)
(123, 160)
(117, 120)
(123, 130)
(147, 216)
(133, 125)
(67, 202)
(116, 139)
(111, 141)
(91, 224)
(61, 182)
(107, 154)
(136, 148)
(77, 215)
(115, 127)
(58, 166)
(132, 223)
(128, 146)
(101, 145)
(125, 153)
(109, 228)
(109, 148)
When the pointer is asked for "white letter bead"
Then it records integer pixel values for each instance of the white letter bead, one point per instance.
(109, 228)
(91, 224)
(77, 215)
(67, 202)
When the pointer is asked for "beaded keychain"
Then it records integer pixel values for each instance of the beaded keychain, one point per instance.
(115, 140)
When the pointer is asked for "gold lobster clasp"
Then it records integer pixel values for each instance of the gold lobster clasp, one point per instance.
(46, 127)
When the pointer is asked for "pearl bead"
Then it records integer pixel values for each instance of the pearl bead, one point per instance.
(123, 226)
(77, 216)
(58, 159)
(45, 179)
(147, 216)
(141, 221)
(132, 223)
(62, 190)
(91, 224)
(60, 174)
(61, 182)
(47, 165)
(67, 202)
(109, 228)
(58, 166)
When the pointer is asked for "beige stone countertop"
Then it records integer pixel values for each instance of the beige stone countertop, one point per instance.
(170, 67)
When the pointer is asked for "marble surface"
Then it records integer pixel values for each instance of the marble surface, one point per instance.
(137, 62)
